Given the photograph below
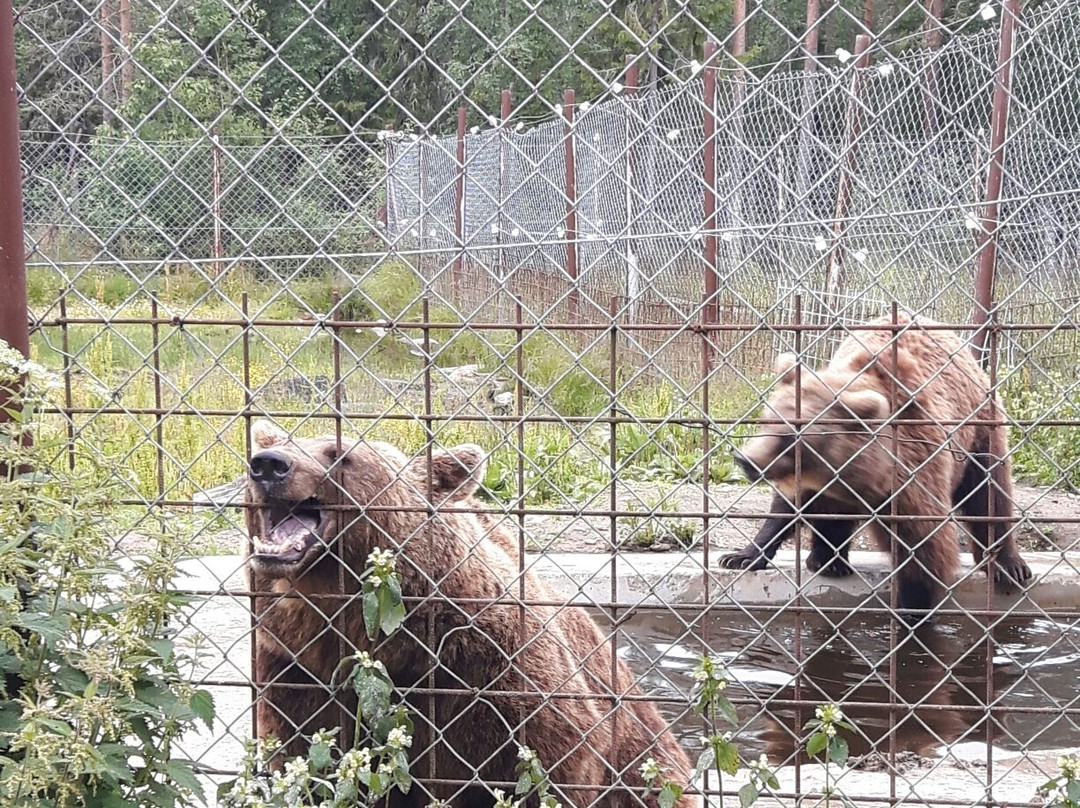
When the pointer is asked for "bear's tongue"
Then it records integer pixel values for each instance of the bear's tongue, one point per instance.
(289, 535)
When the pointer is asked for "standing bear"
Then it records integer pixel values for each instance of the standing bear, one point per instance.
(900, 430)
(481, 670)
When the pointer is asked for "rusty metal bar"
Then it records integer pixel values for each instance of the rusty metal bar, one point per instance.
(710, 304)
(14, 329)
(459, 205)
(986, 252)
(834, 273)
(571, 204)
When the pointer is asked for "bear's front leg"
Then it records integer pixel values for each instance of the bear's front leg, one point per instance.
(773, 533)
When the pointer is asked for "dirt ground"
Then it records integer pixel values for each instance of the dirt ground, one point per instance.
(1044, 516)
(1045, 525)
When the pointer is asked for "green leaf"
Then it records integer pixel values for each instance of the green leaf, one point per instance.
(727, 757)
(838, 750)
(320, 757)
(202, 704)
(817, 743)
(180, 772)
(371, 612)
(704, 762)
(669, 795)
(524, 783)
(727, 711)
(748, 795)
(10, 716)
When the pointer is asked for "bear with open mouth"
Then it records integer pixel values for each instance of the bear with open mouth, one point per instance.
(481, 671)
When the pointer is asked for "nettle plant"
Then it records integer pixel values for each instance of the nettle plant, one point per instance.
(95, 691)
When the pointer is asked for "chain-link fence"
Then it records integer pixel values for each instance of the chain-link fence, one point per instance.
(536, 327)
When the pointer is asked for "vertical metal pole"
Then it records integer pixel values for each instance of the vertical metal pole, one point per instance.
(571, 202)
(710, 309)
(505, 105)
(14, 329)
(459, 205)
(803, 170)
(999, 123)
(633, 270)
(218, 247)
(834, 272)
(932, 43)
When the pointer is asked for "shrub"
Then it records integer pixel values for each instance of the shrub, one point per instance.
(93, 698)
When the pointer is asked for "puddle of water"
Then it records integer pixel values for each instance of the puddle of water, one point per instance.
(942, 669)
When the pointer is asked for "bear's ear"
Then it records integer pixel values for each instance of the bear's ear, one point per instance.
(866, 405)
(455, 473)
(266, 434)
(784, 366)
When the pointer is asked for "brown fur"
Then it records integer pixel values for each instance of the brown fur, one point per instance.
(501, 673)
(921, 459)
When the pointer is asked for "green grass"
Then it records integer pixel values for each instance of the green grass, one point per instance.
(203, 372)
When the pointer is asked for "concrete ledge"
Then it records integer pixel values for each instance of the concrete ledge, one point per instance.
(682, 578)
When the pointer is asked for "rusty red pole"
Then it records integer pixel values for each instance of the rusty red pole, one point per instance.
(459, 205)
(999, 124)
(571, 202)
(14, 329)
(834, 272)
(710, 311)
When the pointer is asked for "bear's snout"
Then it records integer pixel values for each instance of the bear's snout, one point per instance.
(269, 468)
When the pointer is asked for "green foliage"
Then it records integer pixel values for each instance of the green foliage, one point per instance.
(378, 761)
(1063, 791)
(825, 740)
(94, 695)
(1046, 455)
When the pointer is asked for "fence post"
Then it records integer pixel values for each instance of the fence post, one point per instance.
(932, 43)
(505, 104)
(710, 308)
(219, 249)
(988, 232)
(834, 272)
(459, 206)
(633, 270)
(14, 329)
(803, 170)
(571, 202)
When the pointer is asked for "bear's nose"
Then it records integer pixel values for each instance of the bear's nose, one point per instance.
(268, 468)
(749, 469)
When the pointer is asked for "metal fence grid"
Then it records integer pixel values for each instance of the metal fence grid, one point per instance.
(244, 211)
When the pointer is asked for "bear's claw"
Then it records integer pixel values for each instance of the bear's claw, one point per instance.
(748, 559)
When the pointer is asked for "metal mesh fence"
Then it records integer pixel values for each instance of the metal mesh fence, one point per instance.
(536, 330)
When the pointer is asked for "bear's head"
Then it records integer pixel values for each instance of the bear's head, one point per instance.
(832, 417)
(305, 494)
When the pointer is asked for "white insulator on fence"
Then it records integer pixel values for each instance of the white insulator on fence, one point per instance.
(493, 122)
(494, 228)
(616, 88)
(519, 126)
(475, 130)
(971, 221)
(843, 54)
(695, 67)
(584, 106)
(885, 69)
(820, 244)
(860, 256)
(986, 11)
(727, 236)
(673, 134)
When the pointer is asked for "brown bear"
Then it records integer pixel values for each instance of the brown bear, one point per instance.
(481, 671)
(918, 445)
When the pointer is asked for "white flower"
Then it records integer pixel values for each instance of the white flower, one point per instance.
(650, 770)
(526, 754)
(399, 738)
